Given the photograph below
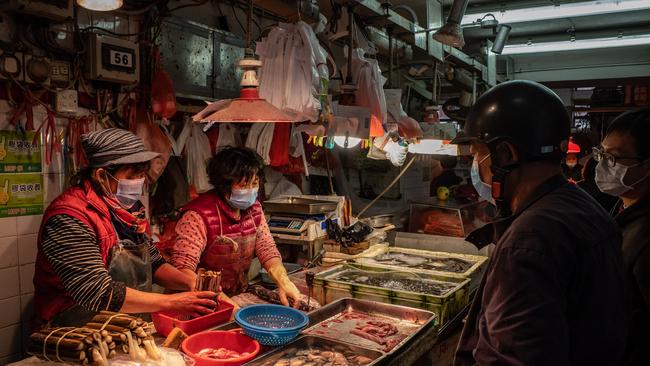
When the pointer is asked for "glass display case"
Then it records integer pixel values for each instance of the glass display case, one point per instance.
(448, 218)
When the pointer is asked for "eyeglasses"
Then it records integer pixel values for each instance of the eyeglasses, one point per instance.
(600, 155)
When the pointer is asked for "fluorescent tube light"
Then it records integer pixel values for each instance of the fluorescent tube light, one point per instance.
(570, 10)
(100, 5)
(581, 44)
(433, 147)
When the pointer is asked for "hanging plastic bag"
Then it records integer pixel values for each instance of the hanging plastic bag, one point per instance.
(228, 136)
(152, 136)
(163, 98)
(197, 153)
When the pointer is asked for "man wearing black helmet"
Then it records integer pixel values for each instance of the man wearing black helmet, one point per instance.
(553, 292)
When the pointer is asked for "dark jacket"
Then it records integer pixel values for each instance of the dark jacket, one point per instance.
(635, 223)
(553, 290)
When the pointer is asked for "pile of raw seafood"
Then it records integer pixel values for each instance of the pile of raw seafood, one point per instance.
(431, 287)
(221, 353)
(375, 329)
(261, 295)
(319, 357)
(449, 264)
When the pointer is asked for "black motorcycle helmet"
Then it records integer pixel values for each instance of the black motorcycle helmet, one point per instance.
(527, 114)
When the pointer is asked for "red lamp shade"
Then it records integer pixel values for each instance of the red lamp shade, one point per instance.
(249, 107)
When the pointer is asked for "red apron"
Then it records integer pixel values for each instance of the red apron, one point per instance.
(232, 255)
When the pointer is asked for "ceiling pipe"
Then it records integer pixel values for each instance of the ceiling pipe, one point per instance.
(451, 33)
(414, 16)
(501, 39)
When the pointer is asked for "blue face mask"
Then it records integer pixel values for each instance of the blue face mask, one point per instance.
(243, 198)
(484, 190)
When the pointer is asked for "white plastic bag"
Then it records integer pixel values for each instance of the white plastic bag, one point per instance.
(197, 152)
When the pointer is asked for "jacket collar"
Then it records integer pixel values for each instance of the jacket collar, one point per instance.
(634, 212)
(492, 232)
(94, 200)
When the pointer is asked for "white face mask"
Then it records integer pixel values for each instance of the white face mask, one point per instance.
(611, 180)
(128, 192)
(484, 190)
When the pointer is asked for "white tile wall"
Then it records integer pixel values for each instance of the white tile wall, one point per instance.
(26, 307)
(8, 251)
(10, 340)
(28, 224)
(18, 248)
(10, 311)
(10, 278)
(27, 248)
(26, 279)
(8, 227)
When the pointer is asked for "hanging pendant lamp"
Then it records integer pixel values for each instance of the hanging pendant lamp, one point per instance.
(249, 107)
(100, 5)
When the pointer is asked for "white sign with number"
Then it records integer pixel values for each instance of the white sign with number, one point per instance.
(123, 59)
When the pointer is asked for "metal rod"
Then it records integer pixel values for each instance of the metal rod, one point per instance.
(350, 43)
(249, 24)
(387, 188)
(389, 31)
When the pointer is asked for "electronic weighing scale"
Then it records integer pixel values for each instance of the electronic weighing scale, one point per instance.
(300, 221)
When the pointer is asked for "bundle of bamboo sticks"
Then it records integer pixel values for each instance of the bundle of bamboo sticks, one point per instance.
(207, 280)
(73, 345)
(99, 340)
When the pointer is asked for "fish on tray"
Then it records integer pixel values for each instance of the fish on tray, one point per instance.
(372, 328)
(455, 265)
(431, 287)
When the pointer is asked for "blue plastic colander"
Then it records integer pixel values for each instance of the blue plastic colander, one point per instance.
(271, 325)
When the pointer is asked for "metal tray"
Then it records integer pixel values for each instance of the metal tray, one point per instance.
(329, 287)
(325, 322)
(297, 205)
(311, 342)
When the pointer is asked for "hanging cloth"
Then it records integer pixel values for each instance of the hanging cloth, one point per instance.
(279, 153)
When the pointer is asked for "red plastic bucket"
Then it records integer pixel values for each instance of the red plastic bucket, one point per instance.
(232, 340)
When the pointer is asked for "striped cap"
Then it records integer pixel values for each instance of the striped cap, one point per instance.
(114, 146)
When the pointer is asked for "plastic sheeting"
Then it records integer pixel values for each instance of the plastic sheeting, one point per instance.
(197, 153)
(370, 85)
(293, 65)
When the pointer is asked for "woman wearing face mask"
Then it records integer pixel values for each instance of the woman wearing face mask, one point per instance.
(571, 168)
(223, 229)
(623, 170)
(94, 253)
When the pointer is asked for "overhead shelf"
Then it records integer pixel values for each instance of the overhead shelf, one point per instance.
(422, 40)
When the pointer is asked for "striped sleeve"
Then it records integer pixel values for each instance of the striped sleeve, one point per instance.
(71, 248)
(156, 258)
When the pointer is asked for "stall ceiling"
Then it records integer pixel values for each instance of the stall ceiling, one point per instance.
(567, 65)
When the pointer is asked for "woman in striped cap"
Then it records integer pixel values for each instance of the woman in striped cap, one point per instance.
(94, 251)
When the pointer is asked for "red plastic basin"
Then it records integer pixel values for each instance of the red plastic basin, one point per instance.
(166, 321)
(231, 340)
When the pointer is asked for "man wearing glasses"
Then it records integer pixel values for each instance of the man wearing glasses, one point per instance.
(553, 290)
(623, 170)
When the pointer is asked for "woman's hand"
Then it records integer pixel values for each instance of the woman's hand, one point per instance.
(287, 290)
(193, 303)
